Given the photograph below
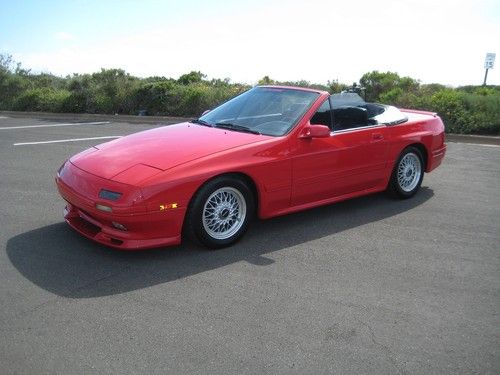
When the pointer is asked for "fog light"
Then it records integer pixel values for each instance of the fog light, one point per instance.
(118, 226)
(104, 208)
(111, 195)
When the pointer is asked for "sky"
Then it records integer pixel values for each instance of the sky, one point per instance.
(435, 41)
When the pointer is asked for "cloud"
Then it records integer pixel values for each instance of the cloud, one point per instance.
(442, 42)
(63, 35)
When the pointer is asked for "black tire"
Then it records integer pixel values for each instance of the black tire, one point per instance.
(403, 186)
(208, 214)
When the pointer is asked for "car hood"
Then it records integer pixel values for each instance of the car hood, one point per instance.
(160, 148)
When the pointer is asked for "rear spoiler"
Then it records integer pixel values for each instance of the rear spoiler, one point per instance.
(434, 114)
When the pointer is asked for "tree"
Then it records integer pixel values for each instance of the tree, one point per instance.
(111, 89)
(377, 83)
(266, 81)
(12, 82)
(191, 77)
(335, 87)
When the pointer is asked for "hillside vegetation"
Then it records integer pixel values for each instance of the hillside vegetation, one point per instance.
(467, 110)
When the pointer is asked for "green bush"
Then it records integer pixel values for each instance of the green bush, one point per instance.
(484, 111)
(11, 86)
(153, 96)
(44, 99)
(467, 109)
(76, 102)
(462, 112)
(377, 84)
(167, 97)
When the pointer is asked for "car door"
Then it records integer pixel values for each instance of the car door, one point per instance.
(351, 159)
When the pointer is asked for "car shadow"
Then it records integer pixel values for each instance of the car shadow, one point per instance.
(62, 262)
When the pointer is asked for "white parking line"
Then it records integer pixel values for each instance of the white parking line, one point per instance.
(477, 144)
(2, 117)
(67, 140)
(485, 145)
(54, 125)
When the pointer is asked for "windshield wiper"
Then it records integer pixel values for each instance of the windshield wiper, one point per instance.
(228, 125)
(201, 122)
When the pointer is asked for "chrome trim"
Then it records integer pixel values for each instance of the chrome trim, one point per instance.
(333, 132)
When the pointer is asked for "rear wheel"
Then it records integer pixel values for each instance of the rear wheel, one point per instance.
(220, 212)
(407, 174)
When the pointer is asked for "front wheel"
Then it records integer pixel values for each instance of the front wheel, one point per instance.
(407, 174)
(220, 212)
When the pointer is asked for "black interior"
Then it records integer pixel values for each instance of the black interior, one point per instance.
(349, 117)
(373, 109)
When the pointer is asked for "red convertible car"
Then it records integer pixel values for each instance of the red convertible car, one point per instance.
(267, 152)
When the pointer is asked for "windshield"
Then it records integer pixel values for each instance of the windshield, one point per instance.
(264, 110)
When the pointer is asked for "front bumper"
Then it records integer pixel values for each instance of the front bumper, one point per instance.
(145, 228)
(99, 231)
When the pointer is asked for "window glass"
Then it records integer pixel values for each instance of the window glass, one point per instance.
(267, 110)
(348, 112)
(323, 115)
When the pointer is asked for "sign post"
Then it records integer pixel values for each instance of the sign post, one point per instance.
(489, 62)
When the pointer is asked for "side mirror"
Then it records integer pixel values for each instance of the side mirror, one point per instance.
(315, 131)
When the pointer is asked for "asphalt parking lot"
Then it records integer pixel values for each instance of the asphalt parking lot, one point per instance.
(372, 285)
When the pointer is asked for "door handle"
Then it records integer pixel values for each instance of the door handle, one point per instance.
(377, 136)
